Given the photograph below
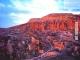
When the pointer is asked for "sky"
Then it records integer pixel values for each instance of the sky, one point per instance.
(15, 12)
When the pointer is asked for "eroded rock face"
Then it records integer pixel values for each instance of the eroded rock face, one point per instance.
(53, 22)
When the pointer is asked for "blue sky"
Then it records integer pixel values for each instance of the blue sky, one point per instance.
(15, 12)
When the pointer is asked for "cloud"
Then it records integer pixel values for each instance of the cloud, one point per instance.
(36, 5)
(39, 8)
(2, 5)
(19, 18)
(72, 4)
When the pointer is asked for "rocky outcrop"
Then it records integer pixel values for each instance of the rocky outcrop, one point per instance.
(48, 38)
(53, 22)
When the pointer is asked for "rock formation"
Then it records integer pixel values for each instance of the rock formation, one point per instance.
(48, 38)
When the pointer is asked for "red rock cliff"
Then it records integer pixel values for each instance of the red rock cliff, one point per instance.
(54, 22)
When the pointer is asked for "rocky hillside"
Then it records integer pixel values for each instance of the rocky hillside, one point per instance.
(48, 38)
(53, 22)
